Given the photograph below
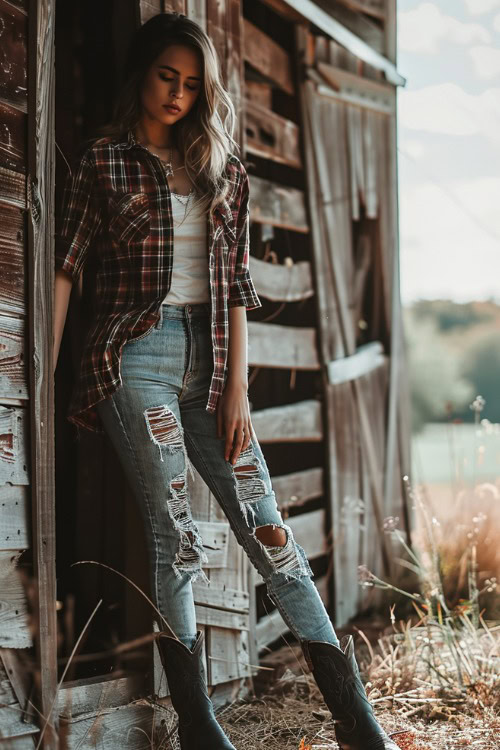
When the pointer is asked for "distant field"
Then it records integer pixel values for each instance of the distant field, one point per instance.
(456, 453)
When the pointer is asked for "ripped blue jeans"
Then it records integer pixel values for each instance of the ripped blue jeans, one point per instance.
(158, 423)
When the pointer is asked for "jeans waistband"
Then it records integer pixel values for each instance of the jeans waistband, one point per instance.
(181, 312)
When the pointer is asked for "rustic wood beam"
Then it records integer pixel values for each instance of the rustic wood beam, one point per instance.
(273, 345)
(350, 41)
(277, 205)
(40, 224)
(13, 382)
(365, 360)
(292, 423)
(271, 136)
(282, 283)
(266, 56)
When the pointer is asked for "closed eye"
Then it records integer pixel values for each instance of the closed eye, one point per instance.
(191, 88)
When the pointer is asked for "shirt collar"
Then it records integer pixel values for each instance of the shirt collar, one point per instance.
(223, 210)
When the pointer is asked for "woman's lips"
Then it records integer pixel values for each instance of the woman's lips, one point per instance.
(172, 109)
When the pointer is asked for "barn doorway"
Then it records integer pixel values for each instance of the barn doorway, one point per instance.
(95, 515)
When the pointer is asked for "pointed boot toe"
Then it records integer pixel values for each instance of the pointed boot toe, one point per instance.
(336, 673)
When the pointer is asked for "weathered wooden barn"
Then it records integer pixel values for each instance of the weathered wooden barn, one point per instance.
(315, 87)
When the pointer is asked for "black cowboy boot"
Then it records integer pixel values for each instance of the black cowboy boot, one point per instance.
(198, 727)
(337, 676)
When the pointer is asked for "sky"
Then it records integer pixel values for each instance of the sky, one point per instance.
(449, 149)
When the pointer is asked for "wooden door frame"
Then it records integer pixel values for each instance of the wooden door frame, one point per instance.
(40, 186)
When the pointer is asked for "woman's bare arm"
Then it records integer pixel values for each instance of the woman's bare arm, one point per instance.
(233, 413)
(62, 291)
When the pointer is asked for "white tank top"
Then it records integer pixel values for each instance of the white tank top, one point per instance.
(190, 274)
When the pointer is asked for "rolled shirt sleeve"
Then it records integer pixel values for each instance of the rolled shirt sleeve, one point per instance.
(79, 219)
(241, 289)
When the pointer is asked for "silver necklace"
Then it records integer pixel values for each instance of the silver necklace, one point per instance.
(184, 201)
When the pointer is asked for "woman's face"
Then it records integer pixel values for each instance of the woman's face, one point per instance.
(175, 78)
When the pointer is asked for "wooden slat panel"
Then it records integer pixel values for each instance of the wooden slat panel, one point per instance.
(353, 43)
(364, 28)
(127, 727)
(88, 695)
(282, 283)
(13, 81)
(295, 489)
(13, 453)
(267, 57)
(15, 521)
(221, 618)
(259, 92)
(273, 345)
(374, 8)
(12, 138)
(12, 293)
(221, 597)
(13, 381)
(309, 531)
(367, 358)
(299, 422)
(354, 89)
(228, 656)
(14, 630)
(12, 187)
(277, 205)
(271, 136)
(215, 537)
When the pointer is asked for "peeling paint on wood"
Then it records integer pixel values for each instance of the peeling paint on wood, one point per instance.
(14, 630)
(13, 454)
(15, 521)
(13, 376)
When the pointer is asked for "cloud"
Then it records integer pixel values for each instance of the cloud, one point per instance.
(496, 22)
(448, 109)
(486, 61)
(477, 7)
(426, 27)
(449, 238)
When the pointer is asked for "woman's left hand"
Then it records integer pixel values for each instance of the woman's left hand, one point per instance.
(233, 420)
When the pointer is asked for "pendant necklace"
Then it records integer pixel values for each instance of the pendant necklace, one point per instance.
(169, 171)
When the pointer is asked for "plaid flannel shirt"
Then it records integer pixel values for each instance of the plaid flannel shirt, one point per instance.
(117, 205)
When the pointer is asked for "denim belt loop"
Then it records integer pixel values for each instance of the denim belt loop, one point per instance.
(159, 322)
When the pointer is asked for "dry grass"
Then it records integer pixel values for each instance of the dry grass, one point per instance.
(423, 715)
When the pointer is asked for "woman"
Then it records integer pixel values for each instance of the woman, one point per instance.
(163, 202)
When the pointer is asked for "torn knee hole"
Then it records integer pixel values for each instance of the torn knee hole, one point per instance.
(271, 536)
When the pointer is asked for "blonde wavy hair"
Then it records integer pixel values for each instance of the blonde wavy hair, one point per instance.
(205, 136)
